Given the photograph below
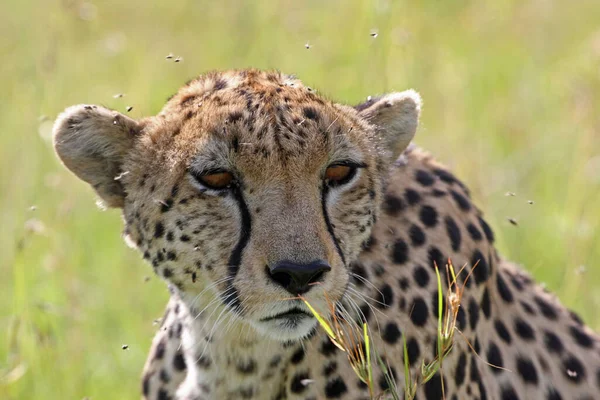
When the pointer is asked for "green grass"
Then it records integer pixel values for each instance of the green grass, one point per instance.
(511, 104)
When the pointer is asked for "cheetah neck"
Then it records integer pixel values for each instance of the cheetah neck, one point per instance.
(229, 357)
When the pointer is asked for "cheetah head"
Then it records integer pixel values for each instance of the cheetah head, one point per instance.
(247, 190)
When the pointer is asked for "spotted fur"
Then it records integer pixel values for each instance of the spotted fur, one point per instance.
(381, 233)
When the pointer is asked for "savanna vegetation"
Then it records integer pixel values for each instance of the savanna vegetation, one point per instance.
(511, 103)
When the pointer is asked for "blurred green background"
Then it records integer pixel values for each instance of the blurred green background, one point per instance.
(511, 91)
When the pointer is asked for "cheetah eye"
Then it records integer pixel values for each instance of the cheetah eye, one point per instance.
(338, 174)
(217, 180)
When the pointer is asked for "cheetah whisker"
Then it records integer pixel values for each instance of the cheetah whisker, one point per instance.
(367, 282)
(477, 355)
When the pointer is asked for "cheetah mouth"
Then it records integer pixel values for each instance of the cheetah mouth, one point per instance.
(284, 324)
(293, 315)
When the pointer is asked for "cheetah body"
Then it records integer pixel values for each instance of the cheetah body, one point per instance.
(381, 232)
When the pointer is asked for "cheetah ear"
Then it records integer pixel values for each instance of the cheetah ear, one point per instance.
(396, 116)
(92, 142)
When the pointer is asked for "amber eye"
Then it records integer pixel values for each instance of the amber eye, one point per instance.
(216, 180)
(339, 174)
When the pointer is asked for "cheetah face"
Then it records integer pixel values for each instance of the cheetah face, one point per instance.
(247, 192)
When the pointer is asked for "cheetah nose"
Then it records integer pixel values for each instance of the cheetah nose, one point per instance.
(298, 278)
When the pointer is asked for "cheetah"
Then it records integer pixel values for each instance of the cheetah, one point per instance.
(249, 190)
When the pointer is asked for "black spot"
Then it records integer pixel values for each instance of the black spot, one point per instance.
(485, 303)
(298, 356)
(419, 312)
(179, 361)
(428, 216)
(174, 190)
(274, 362)
(573, 369)
(444, 175)
(400, 252)
(365, 313)
(553, 394)
(480, 265)
(403, 283)
(146, 384)
(502, 331)
(508, 393)
(359, 272)
(392, 205)
(167, 273)
(494, 357)
(369, 243)
(413, 351)
(170, 236)
(164, 376)
(528, 309)
(476, 345)
(421, 276)
(171, 256)
(460, 371)
(461, 319)
(473, 370)
(462, 202)
(330, 368)
(576, 318)
(335, 388)
(162, 395)
(489, 234)
(503, 289)
(482, 391)
(417, 237)
(412, 196)
(234, 117)
(385, 296)
(424, 177)
(527, 371)
(328, 348)
(546, 308)
(247, 392)
(361, 384)
(391, 333)
(160, 350)
(220, 84)
(159, 230)
(553, 342)
(436, 258)
(473, 313)
(453, 233)
(166, 205)
(246, 366)
(383, 381)
(474, 232)
(311, 113)
(581, 338)
(297, 385)
(433, 388)
(524, 330)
